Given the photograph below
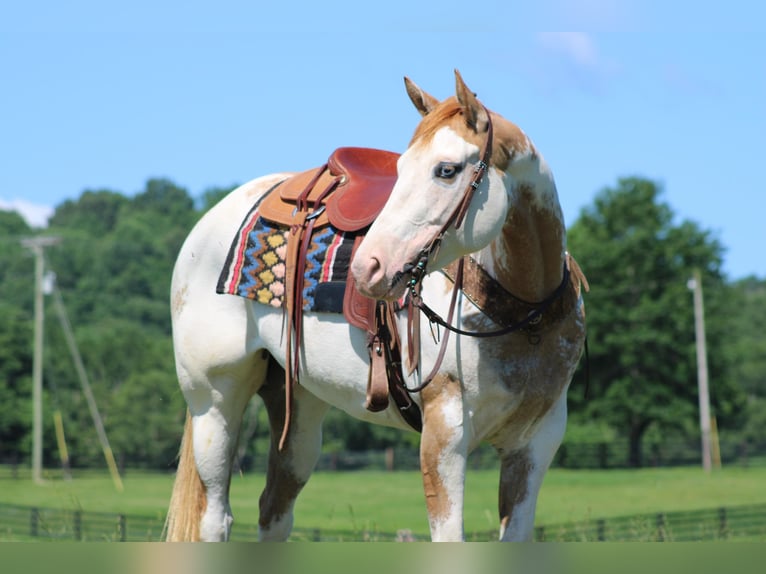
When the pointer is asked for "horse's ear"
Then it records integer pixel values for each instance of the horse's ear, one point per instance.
(424, 102)
(475, 113)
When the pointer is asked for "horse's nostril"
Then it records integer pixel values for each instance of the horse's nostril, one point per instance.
(374, 273)
(375, 266)
(369, 273)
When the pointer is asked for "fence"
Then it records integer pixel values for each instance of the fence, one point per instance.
(29, 523)
(725, 523)
(570, 455)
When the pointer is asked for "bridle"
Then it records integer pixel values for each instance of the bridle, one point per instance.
(417, 271)
(417, 268)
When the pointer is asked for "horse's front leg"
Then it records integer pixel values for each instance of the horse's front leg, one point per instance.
(522, 472)
(443, 452)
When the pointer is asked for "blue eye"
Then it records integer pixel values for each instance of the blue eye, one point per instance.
(447, 170)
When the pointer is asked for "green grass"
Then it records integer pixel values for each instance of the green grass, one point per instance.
(387, 502)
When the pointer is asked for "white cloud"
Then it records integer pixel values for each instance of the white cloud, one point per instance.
(578, 47)
(35, 214)
(571, 60)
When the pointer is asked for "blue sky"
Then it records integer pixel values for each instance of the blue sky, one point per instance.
(105, 95)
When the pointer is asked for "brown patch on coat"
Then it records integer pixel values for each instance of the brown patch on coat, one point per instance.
(179, 300)
(528, 256)
(437, 433)
(514, 473)
(282, 486)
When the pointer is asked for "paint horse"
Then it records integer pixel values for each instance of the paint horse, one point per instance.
(473, 237)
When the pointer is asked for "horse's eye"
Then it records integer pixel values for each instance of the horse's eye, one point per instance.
(447, 170)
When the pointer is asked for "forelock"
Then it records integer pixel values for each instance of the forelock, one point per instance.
(446, 113)
(509, 140)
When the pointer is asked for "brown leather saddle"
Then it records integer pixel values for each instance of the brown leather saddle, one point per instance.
(347, 193)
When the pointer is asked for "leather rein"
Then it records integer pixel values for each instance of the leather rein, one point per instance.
(417, 272)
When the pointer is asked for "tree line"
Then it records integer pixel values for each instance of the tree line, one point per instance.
(113, 269)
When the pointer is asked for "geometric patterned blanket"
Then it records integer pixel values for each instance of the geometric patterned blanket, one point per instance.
(255, 265)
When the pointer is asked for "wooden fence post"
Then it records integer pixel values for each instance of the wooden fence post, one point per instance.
(77, 524)
(603, 455)
(34, 522)
(123, 527)
(660, 521)
(722, 526)
(601, 530)
(390, 458)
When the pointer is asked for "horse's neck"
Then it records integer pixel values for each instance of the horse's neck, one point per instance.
(527, 258)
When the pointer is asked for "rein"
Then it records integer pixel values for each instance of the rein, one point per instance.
(533, 318)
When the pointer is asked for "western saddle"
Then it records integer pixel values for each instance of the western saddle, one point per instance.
(347, 192)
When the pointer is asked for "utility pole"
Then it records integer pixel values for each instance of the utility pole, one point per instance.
(695, 284)
(37, 245)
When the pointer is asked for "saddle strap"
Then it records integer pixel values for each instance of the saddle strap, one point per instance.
(413, 334)
(379, 349)
(385, 375)
(301, 229)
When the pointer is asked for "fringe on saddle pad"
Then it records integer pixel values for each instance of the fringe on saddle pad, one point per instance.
(255, 265)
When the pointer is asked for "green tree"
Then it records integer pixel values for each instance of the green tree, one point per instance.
(15, 383)
(17, 267)
(12, 224)
(640, 314)
(145, 418)
(748, 344)
(94, 213)
(16, 289)
(746, 349)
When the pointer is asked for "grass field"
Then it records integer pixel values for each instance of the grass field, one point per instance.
(387, 502)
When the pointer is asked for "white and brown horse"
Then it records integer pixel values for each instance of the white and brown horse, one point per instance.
(471, 187)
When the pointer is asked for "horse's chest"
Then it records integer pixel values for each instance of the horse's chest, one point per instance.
(535, 355)
(518, 382)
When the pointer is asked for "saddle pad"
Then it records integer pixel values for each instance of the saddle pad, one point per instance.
(255, 265)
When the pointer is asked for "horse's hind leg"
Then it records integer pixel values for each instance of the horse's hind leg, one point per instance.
(522, 472)
(216, 404)
(289, 469)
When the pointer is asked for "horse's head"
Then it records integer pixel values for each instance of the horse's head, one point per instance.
(434, 196)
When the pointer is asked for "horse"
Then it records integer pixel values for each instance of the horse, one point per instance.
(472, 230)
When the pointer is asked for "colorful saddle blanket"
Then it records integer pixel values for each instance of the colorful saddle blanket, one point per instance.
(255, 266)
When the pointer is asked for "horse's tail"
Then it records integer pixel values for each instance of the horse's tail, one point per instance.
(188, 501)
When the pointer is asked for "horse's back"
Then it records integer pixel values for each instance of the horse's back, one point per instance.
(208, 329)
(208, 242)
